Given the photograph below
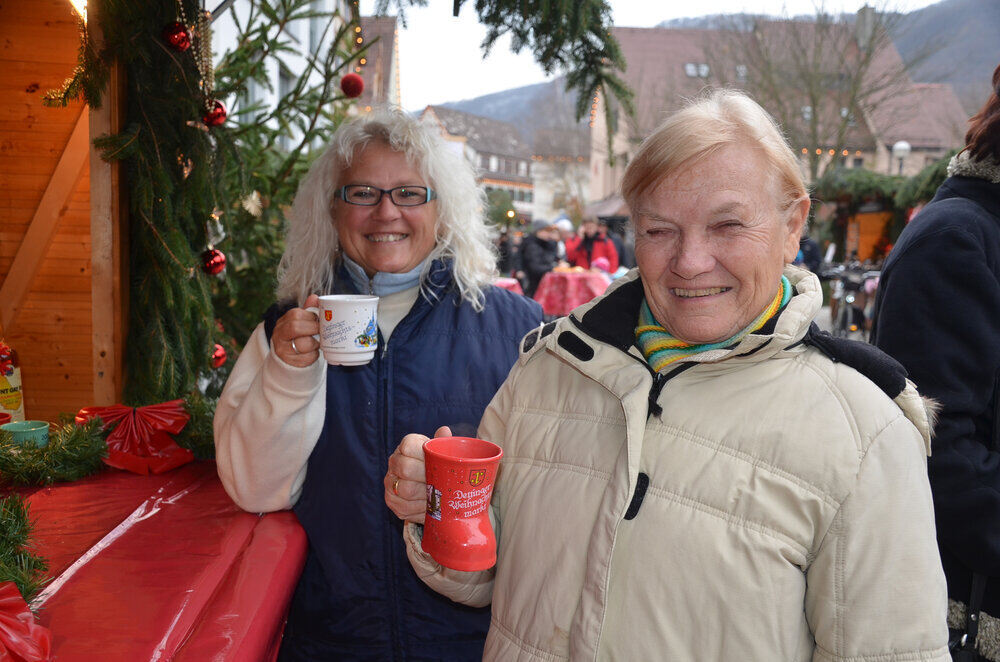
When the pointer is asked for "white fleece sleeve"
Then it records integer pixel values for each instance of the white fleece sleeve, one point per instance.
(267, 422)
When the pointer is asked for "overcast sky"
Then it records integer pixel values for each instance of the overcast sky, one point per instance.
(440, 58)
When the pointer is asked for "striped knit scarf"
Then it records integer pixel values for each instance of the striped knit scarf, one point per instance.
(661, 349)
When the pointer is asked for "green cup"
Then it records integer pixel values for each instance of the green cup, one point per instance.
(28, 433)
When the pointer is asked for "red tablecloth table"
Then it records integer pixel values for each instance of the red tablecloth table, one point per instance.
(509, 284)
(162, 567)
(559, 292)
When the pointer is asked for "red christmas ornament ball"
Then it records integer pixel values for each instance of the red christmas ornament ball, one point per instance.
(213, 261)
(352, 85)
(218, 356)
(216, 116)
(177, 36)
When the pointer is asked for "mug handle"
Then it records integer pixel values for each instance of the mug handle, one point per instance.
(315, 311)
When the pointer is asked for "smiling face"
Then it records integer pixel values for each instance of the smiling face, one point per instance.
(384, 237)
(711, 243)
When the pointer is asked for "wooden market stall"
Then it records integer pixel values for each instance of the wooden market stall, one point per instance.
(61, 232)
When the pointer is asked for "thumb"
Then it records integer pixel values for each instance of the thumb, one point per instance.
(443, 431)
(311, 301)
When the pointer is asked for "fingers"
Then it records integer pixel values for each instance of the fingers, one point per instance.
(312, 301)
(300, 326)
(404, 482)
(443, 431)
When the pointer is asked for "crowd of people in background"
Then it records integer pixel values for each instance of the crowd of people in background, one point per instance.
(598, 244)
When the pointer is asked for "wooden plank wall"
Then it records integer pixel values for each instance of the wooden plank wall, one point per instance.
(52, 332)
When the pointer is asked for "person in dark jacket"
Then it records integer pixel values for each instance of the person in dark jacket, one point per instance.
(386, 210)
(938, 313)
(539, 254)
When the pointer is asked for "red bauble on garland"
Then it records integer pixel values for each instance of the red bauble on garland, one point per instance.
(216, 116)
(213, 261)
(177, 36)
(218, 356)
(352, 85)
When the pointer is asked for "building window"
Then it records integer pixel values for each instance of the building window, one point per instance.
(484, 161)
(741, 73)
(522, 168)
(531, 196)
(494, 164)
(255, 97)
(807, 113)
(848, 115)
(696, 70)
(316, 25)
(858, 162)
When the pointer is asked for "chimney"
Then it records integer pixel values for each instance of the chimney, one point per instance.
(864, 26)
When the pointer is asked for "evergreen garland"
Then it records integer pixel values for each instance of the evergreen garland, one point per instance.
(173, 167)
(854, 186)
(73, 452)
(923, 186)
(17, 563)
(189, 186)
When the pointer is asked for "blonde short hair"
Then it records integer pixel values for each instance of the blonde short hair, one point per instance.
(707, 124)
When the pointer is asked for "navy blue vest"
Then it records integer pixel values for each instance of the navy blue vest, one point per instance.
(358, 598)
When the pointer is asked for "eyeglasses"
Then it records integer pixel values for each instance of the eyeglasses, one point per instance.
(401, 196)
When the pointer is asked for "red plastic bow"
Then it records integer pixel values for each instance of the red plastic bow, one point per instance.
(21, 639)
(140, 443)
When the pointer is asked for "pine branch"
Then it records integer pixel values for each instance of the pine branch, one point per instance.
(17, 563)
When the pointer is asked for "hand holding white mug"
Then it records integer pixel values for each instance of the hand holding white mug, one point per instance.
(294, 334)
(405, 481)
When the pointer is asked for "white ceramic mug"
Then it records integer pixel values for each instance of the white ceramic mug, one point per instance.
(348, 330)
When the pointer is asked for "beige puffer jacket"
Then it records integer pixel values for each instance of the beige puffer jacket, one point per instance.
(777, 509)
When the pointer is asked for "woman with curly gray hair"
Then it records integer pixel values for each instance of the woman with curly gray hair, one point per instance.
(387, 210)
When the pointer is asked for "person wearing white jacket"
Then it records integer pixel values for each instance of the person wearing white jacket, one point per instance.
(691, 469)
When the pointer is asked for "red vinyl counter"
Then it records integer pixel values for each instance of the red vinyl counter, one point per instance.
(162, 567)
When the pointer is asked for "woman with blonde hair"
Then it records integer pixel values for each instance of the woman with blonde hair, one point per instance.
(386, 210)
(691, 470)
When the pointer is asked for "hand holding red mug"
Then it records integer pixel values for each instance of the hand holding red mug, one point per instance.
(405, 481)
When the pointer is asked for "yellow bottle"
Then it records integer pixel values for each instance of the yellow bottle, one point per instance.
(11, 400)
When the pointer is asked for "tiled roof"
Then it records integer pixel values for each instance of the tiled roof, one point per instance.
(483, 134)
(928, 116)
(561, 143)
(658, 64)
(655, 59)
(377, 71)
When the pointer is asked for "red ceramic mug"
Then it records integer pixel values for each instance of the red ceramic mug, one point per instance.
(460, 476)
(5, 418)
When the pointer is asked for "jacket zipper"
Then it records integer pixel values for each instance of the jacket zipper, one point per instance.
(391, 566)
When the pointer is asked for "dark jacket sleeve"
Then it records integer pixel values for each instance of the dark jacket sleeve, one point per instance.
(939, 315)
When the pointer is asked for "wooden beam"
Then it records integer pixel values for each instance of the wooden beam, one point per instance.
(108, 240)
(36, 239)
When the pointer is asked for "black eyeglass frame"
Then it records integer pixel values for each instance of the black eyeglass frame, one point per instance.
(342, 194)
